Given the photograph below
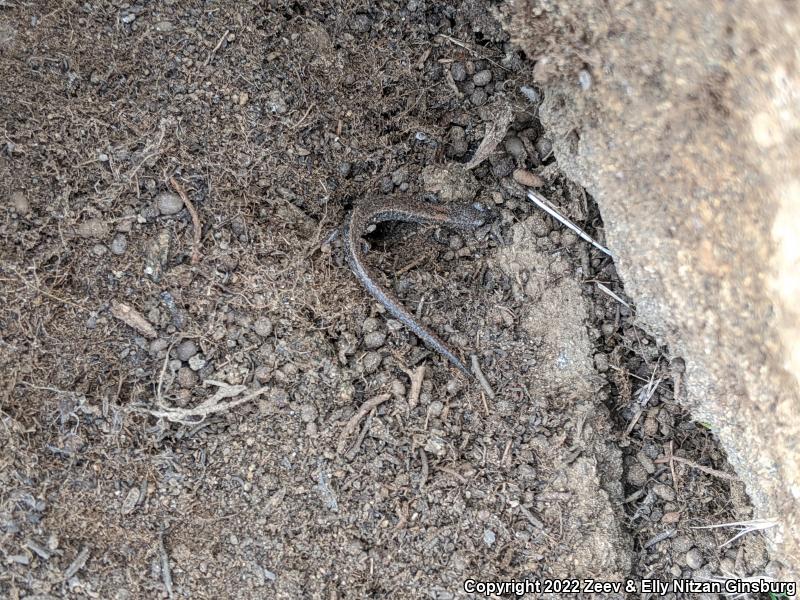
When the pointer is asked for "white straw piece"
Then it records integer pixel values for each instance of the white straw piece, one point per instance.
(542, 203)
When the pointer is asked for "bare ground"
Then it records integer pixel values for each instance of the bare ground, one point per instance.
(274, 117)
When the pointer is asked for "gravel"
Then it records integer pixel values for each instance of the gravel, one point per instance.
(481, 78)
(119, 244)
(263, 327)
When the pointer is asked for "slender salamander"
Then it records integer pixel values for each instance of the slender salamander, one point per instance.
(411, 211)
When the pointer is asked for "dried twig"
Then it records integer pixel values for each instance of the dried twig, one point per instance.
(743, 526)
(694, 465)
(189, 416)
(218, 46)
(77, 564)
(133, 319)
(416, 376)
(166, 573)
(198, 228)
(476, 369)
(362, 412)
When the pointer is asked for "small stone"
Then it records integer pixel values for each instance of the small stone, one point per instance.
(515, 147)
(361, 23)
(158, 345)
(481, 78)
(478, 97)
(344, 168)
(279, 397)
(262, 327)
(531, 94)
(458, 142)
(276, 102)
(374, 340)
(637, 476)
(601, 362)
(129, 18)
(585, 79)
(370, 324)
(308, 413)
(458, 71)
(664, 491)
(435, 408)
(489, 537)
(528, 179)
(399, 176)
(263, 373)
(20, 203)
(398, 389)
(244, 98)
(453, 387)
(169, 203)
(93, 228)
(197, 362)
(119, 244)
(187, 378)
(694, 559)
(436, 445)
(164, 27)
(502, 166)
(186, 350)
(372, 360)
(99, 250)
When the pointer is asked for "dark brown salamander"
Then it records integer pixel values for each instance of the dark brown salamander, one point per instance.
(411, 211)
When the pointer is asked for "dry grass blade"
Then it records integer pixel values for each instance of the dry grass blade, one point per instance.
(542, 203)
(198, 228)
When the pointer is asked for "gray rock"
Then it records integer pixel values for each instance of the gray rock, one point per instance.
(186, 350)
(481, 78)
(169, 203)
(119, 244)
(694, 559)
(458, 71)
(93, 228)
(374, 340)
(263, 327)
(372, 360)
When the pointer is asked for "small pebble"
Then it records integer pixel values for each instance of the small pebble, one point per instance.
(458, 71)
(197, 362)
(361, 23)
(308, 413)
(372, 360)
(601, 362)
(481, 78)
(664, 491)
(279, 397)
(99, 250)
(398, 389)
(453, 387)
(263, 327)
(694, 559)
(478, 97)
(528, 179)
(530, 93)
(158, 345)
(169, 203)
(20, 203)
(119, 244)
(489, 537)
(93, 228)
(186, 350)
(374, 340)
(435, 408)
(263, 373)
(515, 147)
(187, 378)
(344, 168)
(585, 79)
(370, 324)
(502, 166)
